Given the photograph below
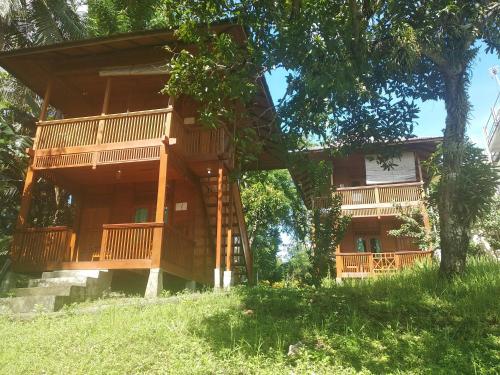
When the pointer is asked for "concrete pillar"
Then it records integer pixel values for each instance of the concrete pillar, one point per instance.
(191, 285)
(9, 282)
(228, 280)
(217, 279)
(155, 283)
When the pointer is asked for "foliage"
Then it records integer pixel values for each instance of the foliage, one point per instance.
(329, 228)
(297, 268)
(272, 207)
(355, 71)
(412, 226)
(488, 225)
(476, 172)
(37, 22)
(25, 24)
(409, 323)
(107, 17)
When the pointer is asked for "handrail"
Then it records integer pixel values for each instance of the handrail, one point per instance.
(44, 229)
(416, 183)
(132, 225)
(105, 117)
(243, 232)
(387, 252)
(370, 264)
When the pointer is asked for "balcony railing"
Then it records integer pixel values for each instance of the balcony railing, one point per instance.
(122, 137)
(128, 245)
(376, 200)
(370, 264)
(39, 246)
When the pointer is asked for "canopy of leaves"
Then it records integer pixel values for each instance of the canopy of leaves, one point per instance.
(272, 208)
(476, 185)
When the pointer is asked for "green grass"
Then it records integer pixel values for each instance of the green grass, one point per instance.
(412, 323)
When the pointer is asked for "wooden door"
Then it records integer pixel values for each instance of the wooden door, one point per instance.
(91, 231)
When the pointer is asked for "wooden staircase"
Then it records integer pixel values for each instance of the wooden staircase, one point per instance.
(231, 202)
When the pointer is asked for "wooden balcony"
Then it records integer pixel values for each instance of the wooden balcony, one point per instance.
(376, 200)
(123, 246)
(360, 265)
(120, 138)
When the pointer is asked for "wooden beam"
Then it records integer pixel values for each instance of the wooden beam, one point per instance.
(229, 240)
(243, 232)
(77, 197)
(30, 173)
(134, 70)
(220, 196)
(161, 199)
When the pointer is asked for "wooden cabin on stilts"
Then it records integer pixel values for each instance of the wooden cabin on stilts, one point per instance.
(151, 189)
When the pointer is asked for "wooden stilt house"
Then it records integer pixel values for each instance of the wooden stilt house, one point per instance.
(149, 185)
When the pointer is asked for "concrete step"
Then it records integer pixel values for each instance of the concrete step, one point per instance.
(72, 273)
(57, 290)
(67, 280)
(29, 304)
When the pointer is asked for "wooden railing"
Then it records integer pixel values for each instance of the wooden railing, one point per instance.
(112, 128)
(38, 246)
(178, 249)
(376, 200)
(369, 264)
(122, 137)
(128, 241)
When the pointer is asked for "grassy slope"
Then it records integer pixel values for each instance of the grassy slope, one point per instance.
(411, 323)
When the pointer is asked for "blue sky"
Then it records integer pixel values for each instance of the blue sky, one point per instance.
(483, 91)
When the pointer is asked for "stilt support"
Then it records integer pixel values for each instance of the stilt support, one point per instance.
(217, 279)
(155, 283)
(228, 279)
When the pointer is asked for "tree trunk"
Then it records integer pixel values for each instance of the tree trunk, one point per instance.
(455, 232)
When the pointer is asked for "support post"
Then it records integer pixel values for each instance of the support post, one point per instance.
(155, 283)
(30, 173)
(338, 263)
(228, 273)
(218, 241)
(161, 199)
(76, 225)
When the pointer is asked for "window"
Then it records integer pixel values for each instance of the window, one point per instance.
(141, 215)
(360, 245)
(403, 170)
(375, 245)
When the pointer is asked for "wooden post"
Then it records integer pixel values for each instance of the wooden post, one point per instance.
(229, 242)
(30, 173)
(161, 199)
(377, 200)
(76, 225)
(218, 238)
(104, 243)
(338, 263)
(419, 165)
(102, 122)
(371, 264)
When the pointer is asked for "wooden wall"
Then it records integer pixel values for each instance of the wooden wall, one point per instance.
(377, 227)
(117, 203)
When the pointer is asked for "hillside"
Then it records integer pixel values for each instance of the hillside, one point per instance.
(410, 323)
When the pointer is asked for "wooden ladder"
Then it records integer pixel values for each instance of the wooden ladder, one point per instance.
(209, 189)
